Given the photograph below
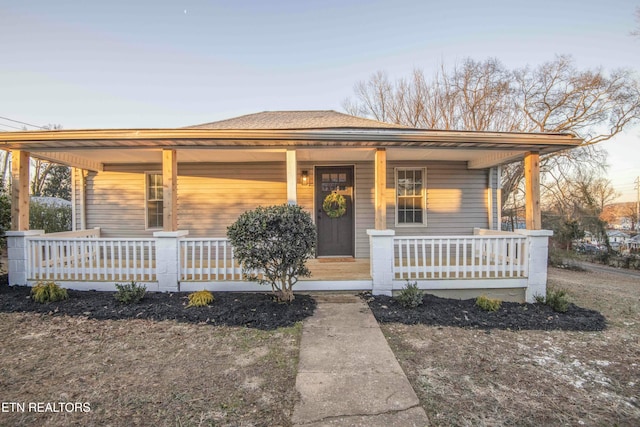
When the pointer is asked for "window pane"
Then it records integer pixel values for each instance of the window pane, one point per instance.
(154, 214)
(409, 190)
(154, 200)
(154, 187)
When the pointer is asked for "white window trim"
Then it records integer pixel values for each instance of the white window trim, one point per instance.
(424, 197)
(146, 200)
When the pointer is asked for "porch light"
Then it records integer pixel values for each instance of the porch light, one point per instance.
(305, 177)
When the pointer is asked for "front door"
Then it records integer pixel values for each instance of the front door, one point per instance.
(334, 210)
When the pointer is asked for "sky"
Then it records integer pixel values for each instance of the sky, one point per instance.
(157, 63)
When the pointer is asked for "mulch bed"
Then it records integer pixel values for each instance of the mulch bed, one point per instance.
(262, 311)
(436, 311)
(254, 310)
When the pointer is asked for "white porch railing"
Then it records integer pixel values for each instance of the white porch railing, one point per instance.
(208, 259)
(169, 260)
(460, 257)
(90, 259)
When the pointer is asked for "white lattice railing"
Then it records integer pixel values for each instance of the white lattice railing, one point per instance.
(460, 257)
(90, 259)
(208, 259)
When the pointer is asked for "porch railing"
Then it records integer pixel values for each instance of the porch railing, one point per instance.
(208, 259)
(90, 259)
(460, 257)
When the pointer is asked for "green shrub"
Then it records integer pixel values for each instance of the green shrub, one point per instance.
(410, 296)
(488, 304)
(50, 218)
(130, 293)
(200, 299)
(540, 299)
(273, 245)
(557, 300)
(44, 292)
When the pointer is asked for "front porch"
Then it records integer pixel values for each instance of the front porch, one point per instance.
(484, 262)
(413, 200)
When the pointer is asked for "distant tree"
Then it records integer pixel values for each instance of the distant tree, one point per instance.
(5, 211)
(577, 202)
(617, 212)
(58, 182)
(51, 218)
(636, 32)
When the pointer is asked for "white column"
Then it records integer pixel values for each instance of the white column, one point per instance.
(17, 254)
(168, 259)
(292, 170)
(381, 257)
(537, 254)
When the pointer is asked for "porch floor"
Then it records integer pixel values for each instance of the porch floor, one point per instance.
(339, 269)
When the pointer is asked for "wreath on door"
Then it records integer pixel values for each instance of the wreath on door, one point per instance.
(334, 205)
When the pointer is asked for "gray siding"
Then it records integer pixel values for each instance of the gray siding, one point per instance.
(77, 194)
(456, 199)
(495, 202)
(212, 196)
(116, 204)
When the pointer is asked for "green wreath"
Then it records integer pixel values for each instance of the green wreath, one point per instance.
(334, 205)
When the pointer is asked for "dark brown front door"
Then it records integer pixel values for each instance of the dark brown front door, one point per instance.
(335, 235)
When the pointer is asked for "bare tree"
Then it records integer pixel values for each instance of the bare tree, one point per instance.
(636, 32)
(553, 97)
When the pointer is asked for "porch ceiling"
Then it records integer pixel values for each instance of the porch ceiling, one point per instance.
(99, 159)
(93, 149)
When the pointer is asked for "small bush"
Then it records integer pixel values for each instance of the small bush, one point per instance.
(557, 300)
(200, 299)
(488, 304)
(44, 292)
(540, 299)
(273, 245)
(130, 293)
(410, 296)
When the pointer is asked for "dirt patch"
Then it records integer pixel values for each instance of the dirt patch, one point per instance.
(471, 376)
(436, 311)
(143, 372)
(253, 310)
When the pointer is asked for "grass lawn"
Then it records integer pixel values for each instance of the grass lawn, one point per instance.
(532, 378)
(144, 372)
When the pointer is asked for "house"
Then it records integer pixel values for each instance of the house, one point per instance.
(153, 205)
(617, 239)
(633, 242)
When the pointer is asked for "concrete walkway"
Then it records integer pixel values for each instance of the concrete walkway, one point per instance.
(347, 374)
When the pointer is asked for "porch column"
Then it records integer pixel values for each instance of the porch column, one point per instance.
(168, 259)
(292, 168)
(537, 253)
(381, 258)
(381, 189)
(17, 255)
(532, 191)
(169, 190)
(19, 190)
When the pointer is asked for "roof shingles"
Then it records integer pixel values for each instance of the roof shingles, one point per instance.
(320, 119)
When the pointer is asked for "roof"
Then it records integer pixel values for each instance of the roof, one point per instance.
(50, 201)
(338, 136)
(320, 119)
(616, 233)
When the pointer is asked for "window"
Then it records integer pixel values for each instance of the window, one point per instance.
(154, 200)
(410, 196)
